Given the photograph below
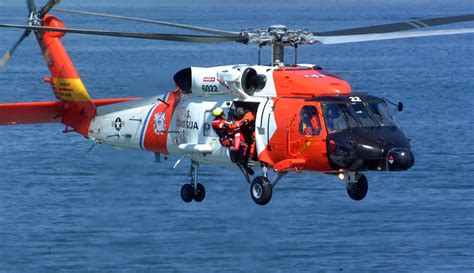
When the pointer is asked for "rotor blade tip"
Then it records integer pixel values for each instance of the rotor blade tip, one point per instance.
(5, 59)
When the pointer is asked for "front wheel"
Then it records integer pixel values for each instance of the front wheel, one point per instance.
(261, 190)
(357, 191)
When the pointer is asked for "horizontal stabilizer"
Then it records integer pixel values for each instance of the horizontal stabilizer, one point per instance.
(31, 112)
(41, 112)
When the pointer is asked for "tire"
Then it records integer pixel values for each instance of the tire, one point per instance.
(199, 193)
(358, 191)
(187, 193)
(261, 190)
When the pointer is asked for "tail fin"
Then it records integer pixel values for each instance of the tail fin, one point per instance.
(65, 81)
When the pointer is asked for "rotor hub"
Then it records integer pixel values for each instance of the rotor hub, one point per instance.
(278, 35)
(35, 18)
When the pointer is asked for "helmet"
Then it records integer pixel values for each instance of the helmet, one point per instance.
(217, 112)
(305, 115)
(239, 112)
(333, 111)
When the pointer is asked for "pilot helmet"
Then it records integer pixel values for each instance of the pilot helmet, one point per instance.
(333, 111)
(305, 114)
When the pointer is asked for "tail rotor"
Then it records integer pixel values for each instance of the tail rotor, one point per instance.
(34, 19)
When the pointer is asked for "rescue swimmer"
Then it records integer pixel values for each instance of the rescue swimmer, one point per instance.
(233, 135)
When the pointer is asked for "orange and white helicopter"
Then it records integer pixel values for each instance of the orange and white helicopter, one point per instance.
(305, 118)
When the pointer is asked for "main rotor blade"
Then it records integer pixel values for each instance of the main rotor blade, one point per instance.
(163, 23)
(31, 5)
(51, 3)
(139, 35)
(344, 39)
(6, 57)
(386, 28)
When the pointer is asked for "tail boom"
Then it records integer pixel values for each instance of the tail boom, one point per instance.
(78, 108)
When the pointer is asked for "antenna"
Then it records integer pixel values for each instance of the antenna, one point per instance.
(296, 54)
(259, 54)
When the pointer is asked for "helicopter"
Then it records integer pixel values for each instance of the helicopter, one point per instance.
(306, 118)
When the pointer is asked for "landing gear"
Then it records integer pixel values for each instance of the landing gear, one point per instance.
(261, 190)
(193, 190)
(357, 186)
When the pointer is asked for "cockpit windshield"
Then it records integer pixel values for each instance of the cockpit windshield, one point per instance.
(382, 114)
(341, 115)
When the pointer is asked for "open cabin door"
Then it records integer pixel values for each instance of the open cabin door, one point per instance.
(265, 125)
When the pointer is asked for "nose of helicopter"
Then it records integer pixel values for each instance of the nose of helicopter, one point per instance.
(370, 149)
(399, 159)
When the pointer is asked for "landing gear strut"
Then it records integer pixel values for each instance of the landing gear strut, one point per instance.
(357, 186)
(193, 190)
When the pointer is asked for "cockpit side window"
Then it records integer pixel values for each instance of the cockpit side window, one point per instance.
(309, 121)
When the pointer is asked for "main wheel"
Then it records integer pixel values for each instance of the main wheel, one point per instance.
(357, 191)
(261, 190)
(199, 193)
(187, 193)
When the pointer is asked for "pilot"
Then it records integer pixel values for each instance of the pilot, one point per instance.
(314, 120)
(333, 113)
(310, 123)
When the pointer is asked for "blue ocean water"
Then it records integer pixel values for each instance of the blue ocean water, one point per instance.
(63, 208)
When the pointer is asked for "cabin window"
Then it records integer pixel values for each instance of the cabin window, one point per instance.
(309, 121)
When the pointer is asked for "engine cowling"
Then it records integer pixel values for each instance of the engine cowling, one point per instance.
(200, 81)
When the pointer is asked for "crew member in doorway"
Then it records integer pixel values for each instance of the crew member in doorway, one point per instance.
(246, 120)
(231, 136)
